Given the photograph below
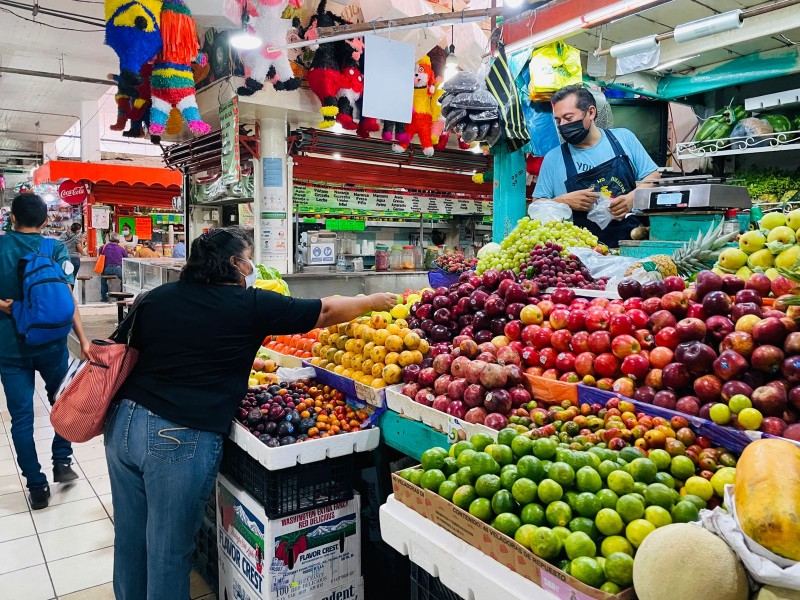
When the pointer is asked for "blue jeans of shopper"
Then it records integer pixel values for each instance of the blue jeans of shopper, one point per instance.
(108, 270)
(161, 476)
(18, 377)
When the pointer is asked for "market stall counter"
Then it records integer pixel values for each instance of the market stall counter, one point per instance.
(351, 283)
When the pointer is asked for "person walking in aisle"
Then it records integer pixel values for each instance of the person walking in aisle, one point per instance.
(114, 254)
(20, 362)
(73, 240)
(164, 430)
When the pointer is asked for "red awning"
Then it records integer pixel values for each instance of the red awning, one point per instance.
(55, 171)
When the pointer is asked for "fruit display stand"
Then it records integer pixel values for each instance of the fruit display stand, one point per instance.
(373, 396)
(463, 569)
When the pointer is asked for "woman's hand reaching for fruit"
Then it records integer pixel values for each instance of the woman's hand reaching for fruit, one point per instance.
(341, 309)
(383, 301)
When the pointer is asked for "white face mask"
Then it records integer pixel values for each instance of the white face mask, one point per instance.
(249, 280)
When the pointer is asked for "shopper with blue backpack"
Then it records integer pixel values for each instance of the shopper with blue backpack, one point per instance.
(37, 312)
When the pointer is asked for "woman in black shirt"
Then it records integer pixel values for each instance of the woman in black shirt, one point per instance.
(197, 338)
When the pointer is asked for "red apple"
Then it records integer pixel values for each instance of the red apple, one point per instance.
(513, 329)
(706, 282)
(632, 303)
(560, 340)
(644, 394)
(576, 320)
(760, 283)
(579, 342)
(651, 305)
(767, 359)
(696, 311)
(661, 319)
(653, 289)
(781, 285)
(605, 383)
(790, 368)
(635, 366)
(565, 361)
(717, 303)
(747, 296)
(599, 342)
(697, 357)
(791, 345)
(621, 325)
(730, 365)
(731, 284)
(689, 405)
(606, 365)
(654, 379)
(584, 363)
(638, 317)
(676, 376)
(541, 337)
(559, 317)
(708, 388)
(689, 329)
(770, 331)
(665, 399)
(667, 337)
(645, 339)
(740, 342)
(624, 386)
(673, 283)
(770, 400)
(718, 326)
(745, 308)
(676, 303)
(530, 356)
(731, 388)
(623, 345)
(547, 357)
(773, 426)
(545, 306)
(597, 319)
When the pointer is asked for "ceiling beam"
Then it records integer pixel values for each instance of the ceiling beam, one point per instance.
(59, 76)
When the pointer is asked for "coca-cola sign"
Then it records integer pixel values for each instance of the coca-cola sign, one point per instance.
(72, 192)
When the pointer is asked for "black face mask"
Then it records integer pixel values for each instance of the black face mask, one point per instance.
(573, 133)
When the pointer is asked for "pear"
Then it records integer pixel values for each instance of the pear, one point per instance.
(762, 258)
(719, 271)
(782, 234)
(787, 258)
(793, 219)
(771, 273)
(744, 273)
(773, 220)
(732, 259)
(752, 241)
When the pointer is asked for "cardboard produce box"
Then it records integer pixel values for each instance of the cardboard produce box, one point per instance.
(409, 494)
(314, 555)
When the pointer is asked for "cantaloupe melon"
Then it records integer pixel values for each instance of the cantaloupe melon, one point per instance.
(769, 592)
(684, 561)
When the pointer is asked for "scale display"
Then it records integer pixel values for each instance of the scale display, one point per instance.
(669, 199)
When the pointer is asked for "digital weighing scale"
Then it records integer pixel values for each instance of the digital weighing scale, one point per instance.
(695, 193)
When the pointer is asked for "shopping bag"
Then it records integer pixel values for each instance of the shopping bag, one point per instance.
(500, 83)
(100, 265)
(85, 394)
(552, 67)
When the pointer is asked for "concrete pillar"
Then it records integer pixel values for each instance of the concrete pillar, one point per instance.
(90, 131)
(273, 231)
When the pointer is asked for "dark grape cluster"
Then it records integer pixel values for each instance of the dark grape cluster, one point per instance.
(548, 268)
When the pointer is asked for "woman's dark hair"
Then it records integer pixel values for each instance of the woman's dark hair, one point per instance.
(29, 210)
(209, 259)
(75, 227)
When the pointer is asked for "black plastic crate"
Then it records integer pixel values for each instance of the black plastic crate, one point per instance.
(293, 490)
(425, 586)
(205, 555)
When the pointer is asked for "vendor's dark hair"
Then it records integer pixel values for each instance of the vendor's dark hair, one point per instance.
(209, 259)
(75, 227)
(583, 97)
(29, 210)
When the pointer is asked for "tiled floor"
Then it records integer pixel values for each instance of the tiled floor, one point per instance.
(66, 550)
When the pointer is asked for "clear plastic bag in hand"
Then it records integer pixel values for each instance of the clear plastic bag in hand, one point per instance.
(600, 212)
(546, 211)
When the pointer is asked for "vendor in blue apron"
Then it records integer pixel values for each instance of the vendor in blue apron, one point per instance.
(595, 170)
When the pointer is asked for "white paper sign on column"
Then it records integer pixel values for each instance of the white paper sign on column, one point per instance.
(388, 79)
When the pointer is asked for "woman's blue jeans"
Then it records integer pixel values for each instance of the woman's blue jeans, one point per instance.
(161, 476)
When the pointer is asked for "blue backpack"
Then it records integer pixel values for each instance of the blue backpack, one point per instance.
(44, 313)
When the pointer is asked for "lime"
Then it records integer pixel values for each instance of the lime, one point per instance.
(684, 512)
(658, 516)
(532, 514)
(502, 454)
(483, 464)
(545, 543)
(487, 486)
(549, 491)
(453, 478)
(481, 508)
(544, 448)
(609, 587)
(696, 500)
(463, 496)
(722, 477)
(503, 502)
(738, 402)
(524, 491)
(630, 508)
(608, 499)
(665, 478)
(558, 514)
(639, 487)
(480, 441)
(637, 530)
(506, 436)
(579, 544)
(602, 453)
(661, 458)
(620, 483)
(524, 535)
(507, 523)
(607, 467)
(459, 447)
(416, 476)
(615, 543)
(433, 458)
(447, 489)
(720, 414)
(562, 533)
(658, 494)
(465, 458)
(608, 522)
(563, 565)
(522, 446)
(682, 467)
(464, 476)
(531, 468)
(587, 570)
(588, 480)
(585, 525)
(630, 453)
(643, 470)
(508, 475)
(699, 486)
(587, 504)
(619, 569)
(569, 498)
(578, 459)
(561, 473)
(406, 473)
(450, 466)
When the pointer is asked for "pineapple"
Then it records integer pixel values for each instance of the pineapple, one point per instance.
(694, 256)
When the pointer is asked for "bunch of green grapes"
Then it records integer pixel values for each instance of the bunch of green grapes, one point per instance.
(516, 248)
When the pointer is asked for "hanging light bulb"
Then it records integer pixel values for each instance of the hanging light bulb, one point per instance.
(450, 63)
(244, 40)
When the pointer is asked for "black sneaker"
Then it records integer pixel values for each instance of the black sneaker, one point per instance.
(63, 473)
(40, 498)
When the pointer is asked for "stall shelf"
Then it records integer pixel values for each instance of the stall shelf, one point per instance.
(409, 437)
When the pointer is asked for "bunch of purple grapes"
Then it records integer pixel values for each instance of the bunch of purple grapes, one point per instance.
(548, 268)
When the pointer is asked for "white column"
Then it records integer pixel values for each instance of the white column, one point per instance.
(272, 198)
(90, 131)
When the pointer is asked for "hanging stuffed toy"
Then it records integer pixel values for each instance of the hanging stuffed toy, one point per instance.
(324, 75)
(172, 81)
(351, 82)
(133, 31)
(269, 20)
(394, 130)
(425, 109)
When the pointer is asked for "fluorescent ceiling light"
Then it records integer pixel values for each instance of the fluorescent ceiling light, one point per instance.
(672, 63)
(634, 47)
(709, 26)
(244, 40)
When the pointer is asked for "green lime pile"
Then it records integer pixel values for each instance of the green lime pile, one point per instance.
(584, 511)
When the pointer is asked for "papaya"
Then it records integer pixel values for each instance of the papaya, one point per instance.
(767, 493)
